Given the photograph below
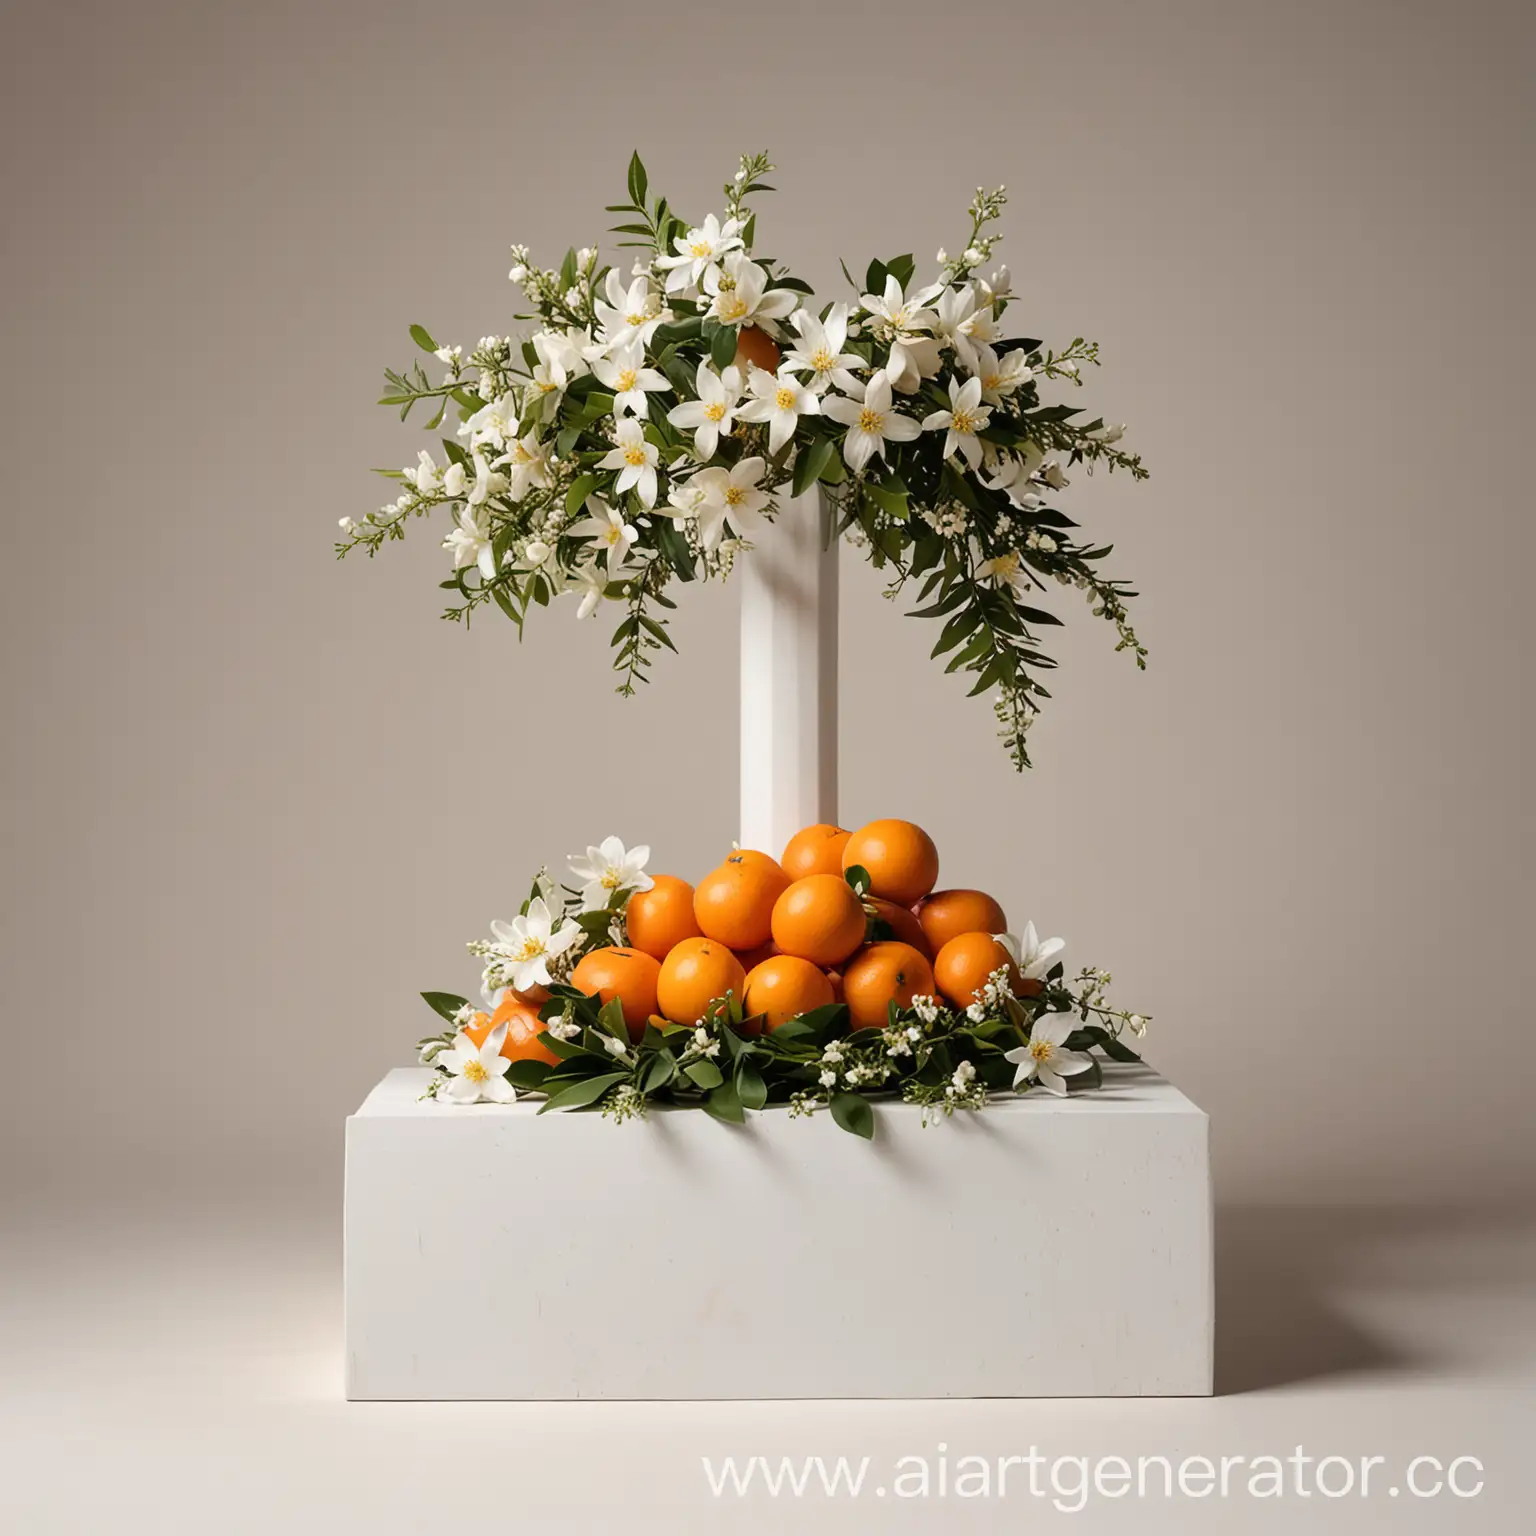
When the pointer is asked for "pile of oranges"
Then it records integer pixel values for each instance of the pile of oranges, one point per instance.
(789, 935)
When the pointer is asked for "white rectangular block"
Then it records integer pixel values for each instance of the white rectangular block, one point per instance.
(1040, 1248)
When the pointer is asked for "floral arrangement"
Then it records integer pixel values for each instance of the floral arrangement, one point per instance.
(614, 992)
(650, 424)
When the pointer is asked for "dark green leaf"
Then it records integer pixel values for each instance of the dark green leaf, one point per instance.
(722, 346)
(639, 182)
(723, 1104)
(853, 1114)
(588, 1091)
(751, 1090)
(810, 462)
(423, 338)
(445, 1004)
(704, 1074)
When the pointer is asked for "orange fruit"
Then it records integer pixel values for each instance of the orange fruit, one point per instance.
(902, 862)
(523, 1030)
(820, 919)
(785, 986)
(944, 914)
(734, 904)
(694, 975)
(884, 973)
(627, 974)
(758, 348)
(905, 928)
(662, 917)
(961, 968)
(752, 958)
(815, 850)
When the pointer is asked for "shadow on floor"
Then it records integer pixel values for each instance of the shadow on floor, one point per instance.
(1284, 1275)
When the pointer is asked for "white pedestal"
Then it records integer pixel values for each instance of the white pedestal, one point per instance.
(1041, 1248)
(788, 676)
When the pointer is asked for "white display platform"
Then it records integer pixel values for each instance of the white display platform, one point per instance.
(1040, 1248)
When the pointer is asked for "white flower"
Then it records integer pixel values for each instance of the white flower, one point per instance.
(450, 355)
(962, 422)
(1043, 1056)
(1032, 955)
(527, 461)
(610, 867)
(870, 420)
(609, 529)
(713, 414)
(635, 459)
(740, 294)
(829, 1079)
(952, 317)
(819, 352)
(698, 251)
(424, 474)
(478, 1071)
(1000, 376)
(964, 1075)
(616, 1047)
(623, 371)
(1054, 476)
(530, 941)
(630, 315)
(1007, 571)
(592, 582)
(781, 400)
(471, 544)
(493, 423)
(1138, 1025)
(728, 493)
(488, 482)
(901, 320)
(455, 480)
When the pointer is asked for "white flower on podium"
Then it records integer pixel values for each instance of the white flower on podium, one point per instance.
(1032, 956)
(740, 294)
(613, 535)
(470, 543)
(1000, 376)
(630, 315)
(530, 941)
(902, 321)
(871, 420)
(1044, 1056)
(729, 493)
(625, 373)
(953, 317)
(698, 251)
(610, 867)
(713, 414)
(962, 422)
(527, 462)
(478, 1071)
(819, 352)
(780, 400)
(635, 459)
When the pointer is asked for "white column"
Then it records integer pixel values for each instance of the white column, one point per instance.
(788, 675)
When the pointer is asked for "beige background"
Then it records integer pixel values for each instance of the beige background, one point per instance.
(254, 800)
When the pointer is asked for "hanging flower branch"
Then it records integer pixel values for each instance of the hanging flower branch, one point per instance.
(646, 429)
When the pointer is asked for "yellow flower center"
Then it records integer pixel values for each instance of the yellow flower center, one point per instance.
(715, 411)
(784, 398)
(532, 948)
(634, 455)
(637, 319)
(611, 536)
(699, 248)
(734, 495)
(964, 422)
(899, 318)
(1006, 567)
(872, 421)
(991, 381)
(546, 385)
(475, 1072)
(732, 308)
(823, 361)
(627, 379)
(612, 879)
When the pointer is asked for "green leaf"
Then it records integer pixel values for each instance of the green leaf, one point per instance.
(611, 1017)
(891, 501)
(659, 1071)
(639, 182)
(858, 877)
(576, 498)
(588, 1091)
(704, 1074)
(901, 268)
(809, 463)
(722, 347)
(854, 1115)
(445, 1004)
(874, 277)
(723, 1104)
(423, 338)
(751, 1090)
(528, 1074)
